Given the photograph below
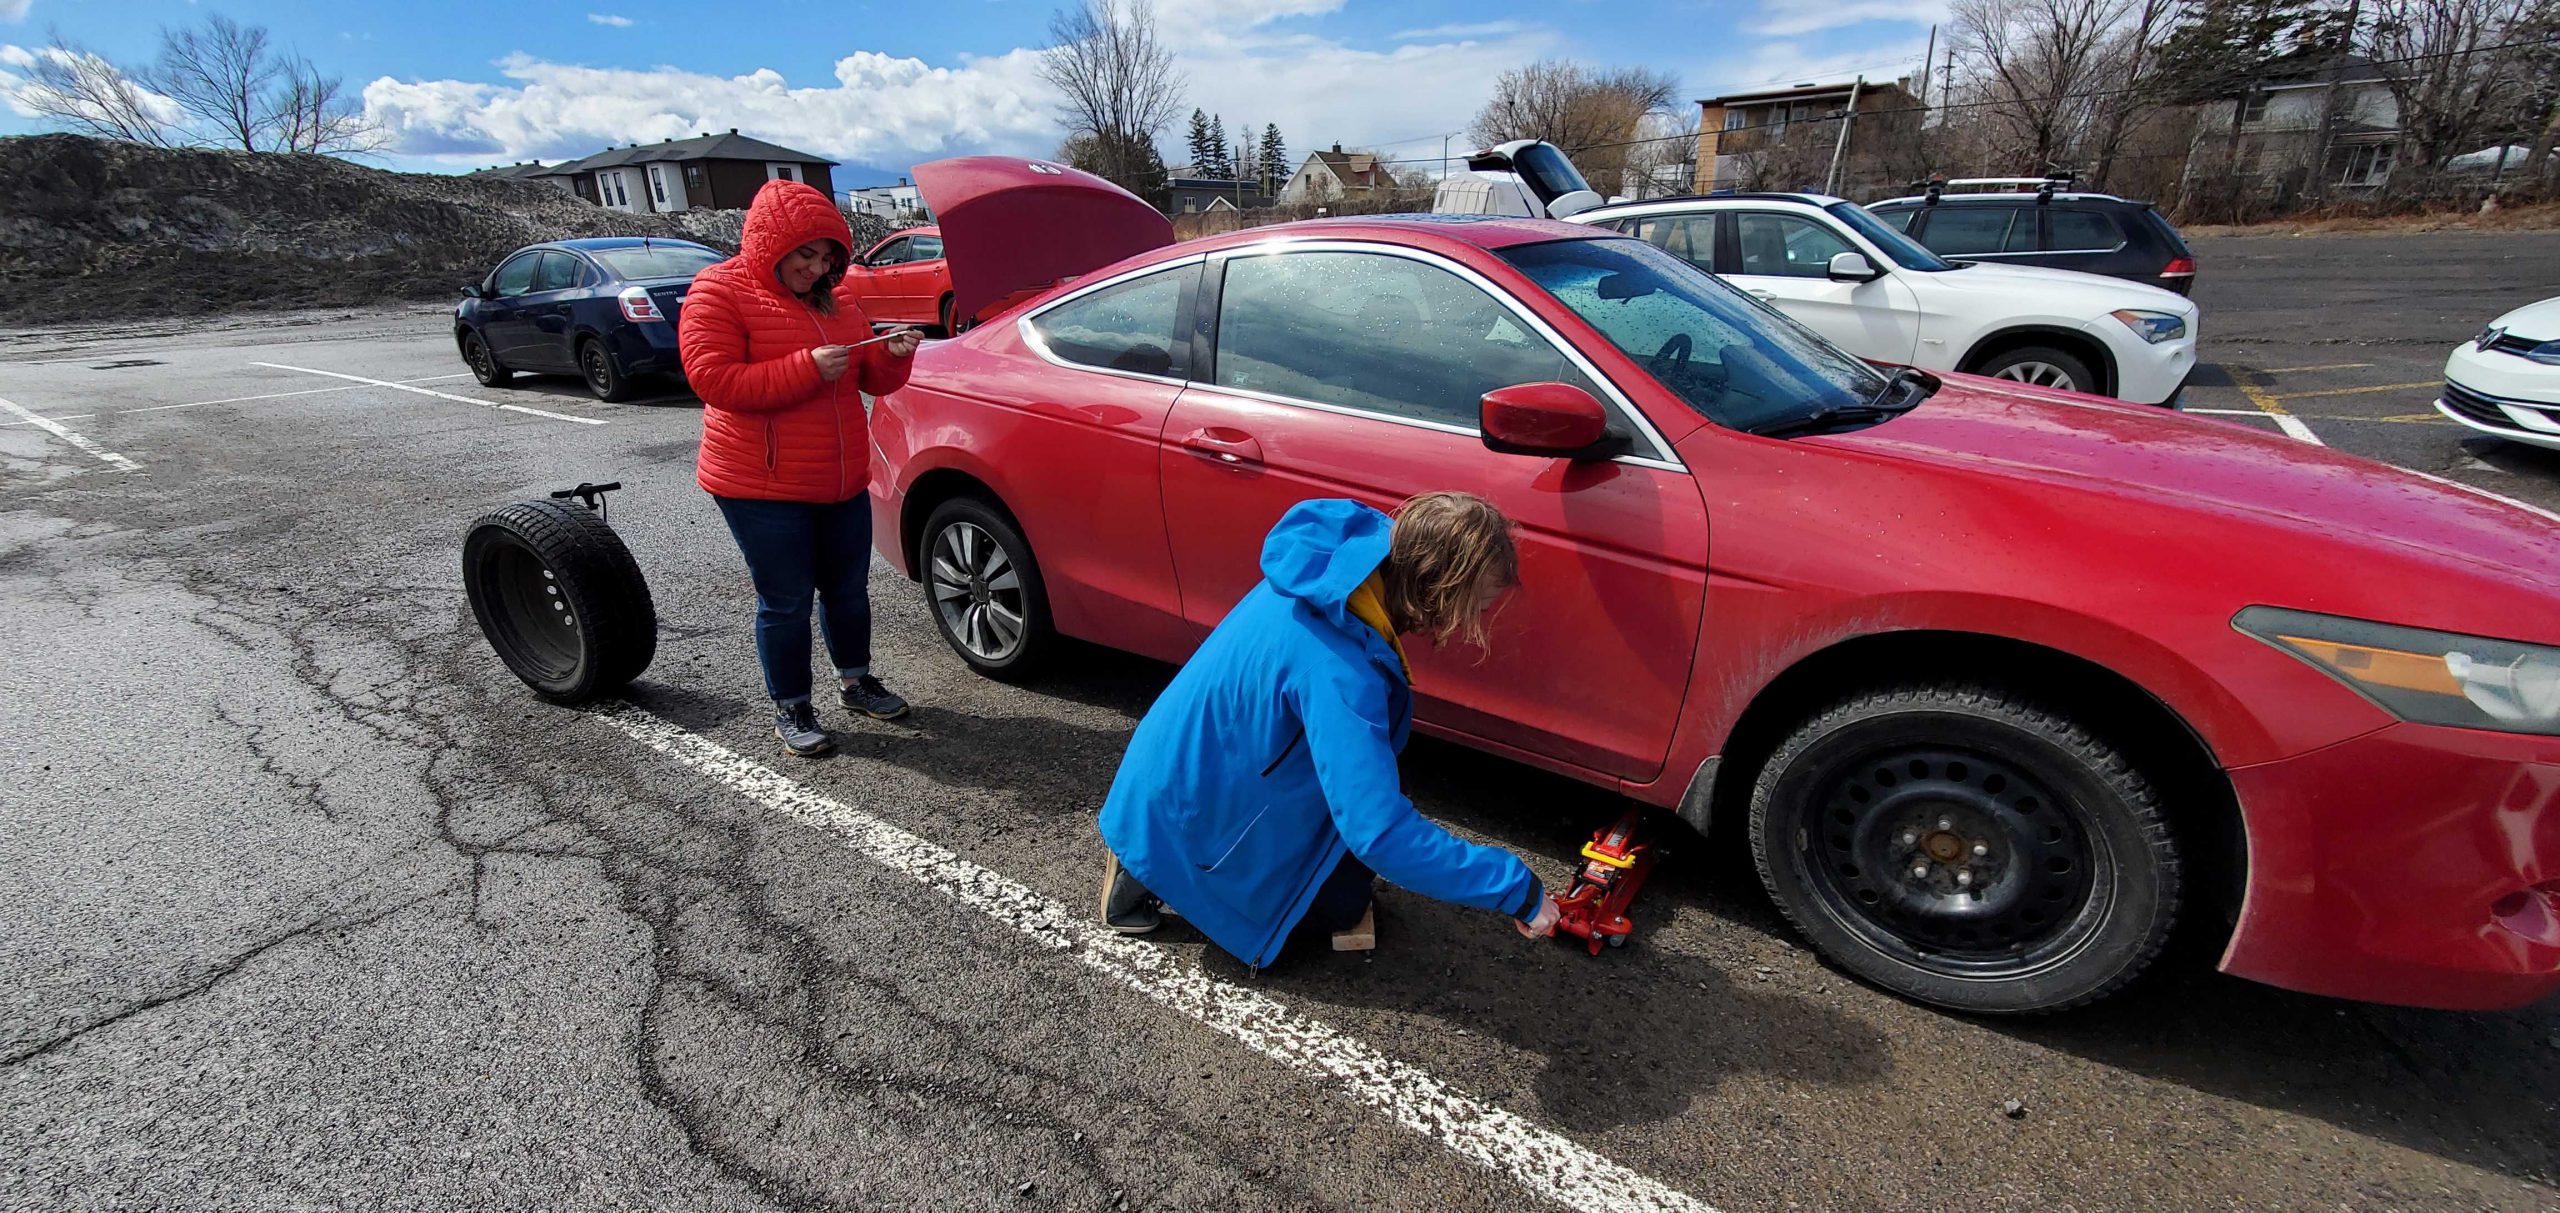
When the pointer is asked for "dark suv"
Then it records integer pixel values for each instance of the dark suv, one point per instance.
(2091, 233)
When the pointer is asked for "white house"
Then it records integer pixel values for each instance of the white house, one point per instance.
(1332, 176)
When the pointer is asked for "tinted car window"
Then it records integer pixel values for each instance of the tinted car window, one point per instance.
(1958, 230)
(1378, 333)
(926, 248)
(516, 276)
(658, 261)
(1128, 327)
(1691, 238)
(1740, 364)
(891, 253)
(559, 272)
(2083, 231)
(2022, 233)
(1899, 221)
(1786, 246)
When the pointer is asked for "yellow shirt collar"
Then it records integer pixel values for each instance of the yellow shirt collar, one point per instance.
(1368, 604)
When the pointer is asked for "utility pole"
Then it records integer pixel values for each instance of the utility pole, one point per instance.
(1927, 57)
(2329, 104)
(1831, 179)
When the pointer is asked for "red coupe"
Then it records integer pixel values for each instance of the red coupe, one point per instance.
(2000, 684)
(904, 280)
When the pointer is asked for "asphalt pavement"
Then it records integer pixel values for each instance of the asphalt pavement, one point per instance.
(312, 905)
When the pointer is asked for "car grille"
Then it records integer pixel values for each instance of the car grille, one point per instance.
(2512, 344)
(2485, 410)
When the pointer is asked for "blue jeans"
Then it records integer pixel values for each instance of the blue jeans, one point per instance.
(799, 553)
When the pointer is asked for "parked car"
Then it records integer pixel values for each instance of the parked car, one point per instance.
(2056, 229)
(1848, 276)
(2506, 381)
(602, 308)
(904, 280)
(2000, 683)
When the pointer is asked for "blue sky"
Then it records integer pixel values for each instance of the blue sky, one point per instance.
(881, 87)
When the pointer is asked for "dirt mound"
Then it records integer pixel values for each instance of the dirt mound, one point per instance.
(91, 229)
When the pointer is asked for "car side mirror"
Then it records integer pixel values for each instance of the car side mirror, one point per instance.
(1554, 420)
(1853, 267)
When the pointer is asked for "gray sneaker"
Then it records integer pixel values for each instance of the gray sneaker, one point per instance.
(1127, 906)
(866, 697)
(797, 725)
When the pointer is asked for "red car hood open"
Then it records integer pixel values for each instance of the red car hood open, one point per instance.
(1012, 227)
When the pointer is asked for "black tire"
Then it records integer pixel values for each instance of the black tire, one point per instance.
(483, 362)
(944, 311)
(2039, 364)
(970, 596)
(560, 599)
(596, 365)
(1866, 819)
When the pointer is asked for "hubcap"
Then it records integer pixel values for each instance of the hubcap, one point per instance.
(1950, 859)
(977, 592)
(2040, 374)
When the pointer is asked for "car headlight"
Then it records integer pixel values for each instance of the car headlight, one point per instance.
(2154, 327)
(2547, 353)
(2417, 675)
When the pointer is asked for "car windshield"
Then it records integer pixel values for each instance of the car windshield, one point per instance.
(656, 261)
(1905, 251)
(1741, 364)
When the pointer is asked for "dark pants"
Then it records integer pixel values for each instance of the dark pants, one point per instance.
(1342, 899)
(798, 553)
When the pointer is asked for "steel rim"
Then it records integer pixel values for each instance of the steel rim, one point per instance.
(599, 375)
(476, 352)
(1954, 861)
(978, 593)
(2038, 374)
(545, 633)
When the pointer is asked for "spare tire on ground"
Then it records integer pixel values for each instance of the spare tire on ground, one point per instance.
(560, 599)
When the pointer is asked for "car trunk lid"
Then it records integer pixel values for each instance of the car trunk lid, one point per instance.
(1013, 227)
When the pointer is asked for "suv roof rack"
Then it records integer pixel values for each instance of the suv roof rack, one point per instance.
(1935, 188)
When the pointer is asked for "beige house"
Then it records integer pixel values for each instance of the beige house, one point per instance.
(1335, 175)
(1776, 138)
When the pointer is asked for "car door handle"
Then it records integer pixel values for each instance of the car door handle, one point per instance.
(1232, 447)
(1765, 296)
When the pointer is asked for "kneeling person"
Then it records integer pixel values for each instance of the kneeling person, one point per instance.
(1261, 792)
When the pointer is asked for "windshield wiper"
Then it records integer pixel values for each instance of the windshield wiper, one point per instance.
(1908, 376)
(1875, 409)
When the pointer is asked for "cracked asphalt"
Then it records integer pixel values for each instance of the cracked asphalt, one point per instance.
(310, 905)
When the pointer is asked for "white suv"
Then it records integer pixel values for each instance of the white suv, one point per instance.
(1877, 294)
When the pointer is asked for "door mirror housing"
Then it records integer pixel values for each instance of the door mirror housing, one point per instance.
(479, 290)
(1554, 420)
(1853, 267)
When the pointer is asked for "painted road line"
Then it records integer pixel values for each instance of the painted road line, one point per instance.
(2226, 412)
(55, 428)
(402, 387)
(2361, 391)
(197, 404)
(2290, 424)
(2325, 366)
(1545, 1163)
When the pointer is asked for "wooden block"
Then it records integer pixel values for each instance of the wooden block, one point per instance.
(1361, 936)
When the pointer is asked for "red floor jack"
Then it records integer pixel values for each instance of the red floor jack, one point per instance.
(1614, 866)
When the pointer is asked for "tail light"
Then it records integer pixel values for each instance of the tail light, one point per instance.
(2180, 267)
(637, 305)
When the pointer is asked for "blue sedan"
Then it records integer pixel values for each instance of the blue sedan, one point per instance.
(603, 309)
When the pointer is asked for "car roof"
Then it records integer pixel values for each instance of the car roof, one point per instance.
(1813, 200)
(2011, 198)
(1487, 232)
(923, 229)
(599, 244)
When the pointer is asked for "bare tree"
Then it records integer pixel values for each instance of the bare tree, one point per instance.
(1593, 114)
(90, 96)
(309, 112)
(221, 74)
(2036, 71)
(2451, 68)
(1663, 160)
(1120, 85)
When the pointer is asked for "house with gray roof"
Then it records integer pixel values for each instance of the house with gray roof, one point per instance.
(707, 172)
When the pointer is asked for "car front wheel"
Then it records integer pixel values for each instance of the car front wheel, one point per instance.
(2042, 366)
(1962, 846)
(985, 589)
(484, 364)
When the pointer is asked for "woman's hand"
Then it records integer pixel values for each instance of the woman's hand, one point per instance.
(903, 342)
(1541, 925)
(832, 361)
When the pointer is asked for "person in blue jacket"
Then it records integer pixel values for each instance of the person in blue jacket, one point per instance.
(1260, 792)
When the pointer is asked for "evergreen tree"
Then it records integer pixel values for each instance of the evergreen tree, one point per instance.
(1216, 164)
(1204, 151)
(1275, 159)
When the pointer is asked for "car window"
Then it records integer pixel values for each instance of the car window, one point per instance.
(1899, 221)
(658, 261)
(1958, 230)
(1127, 327)
(559, 272)
(2022, 233)
(1786, 246)
(1738, 363)
(2083, 231)
(1378, 333)
(889, 254)
(926, 248)
(1691, 238)
(516, 276)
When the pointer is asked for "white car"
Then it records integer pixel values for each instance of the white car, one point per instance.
(2506, 381)
(1879, 295)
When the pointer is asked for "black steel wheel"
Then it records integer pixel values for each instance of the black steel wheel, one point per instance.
(603, 375)
(560, 599)
(1967, 848)
(484, 363)
(984, 589)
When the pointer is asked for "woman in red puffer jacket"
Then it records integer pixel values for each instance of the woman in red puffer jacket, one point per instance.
(768, 343)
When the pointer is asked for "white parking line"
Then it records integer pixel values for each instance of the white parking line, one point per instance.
(509, 408)
(55, 428)
(197, 404)
(1544, 1162)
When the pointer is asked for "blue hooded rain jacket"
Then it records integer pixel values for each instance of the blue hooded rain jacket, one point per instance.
(1274, 751)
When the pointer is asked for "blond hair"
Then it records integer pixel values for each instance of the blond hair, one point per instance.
(1449, 550)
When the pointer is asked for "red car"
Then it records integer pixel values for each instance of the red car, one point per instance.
(904, 279)
(1999, 684)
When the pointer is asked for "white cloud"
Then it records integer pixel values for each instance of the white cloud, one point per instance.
(15, 10)
(1479, 29)
(1791, 19)
(1781, 63)
(616, 20)
(15, 85)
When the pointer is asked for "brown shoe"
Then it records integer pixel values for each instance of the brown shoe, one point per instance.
(1361, 936)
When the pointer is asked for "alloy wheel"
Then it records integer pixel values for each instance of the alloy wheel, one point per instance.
(978, 592)
(2038, 374)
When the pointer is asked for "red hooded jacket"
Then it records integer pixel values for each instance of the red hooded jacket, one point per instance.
(772, 427)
